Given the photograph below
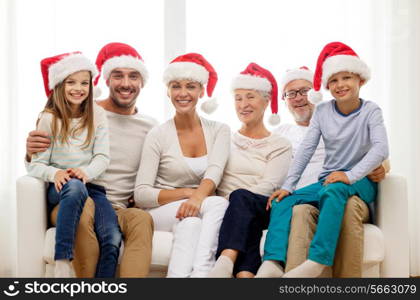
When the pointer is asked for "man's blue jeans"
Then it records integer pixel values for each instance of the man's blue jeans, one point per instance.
(72, 198)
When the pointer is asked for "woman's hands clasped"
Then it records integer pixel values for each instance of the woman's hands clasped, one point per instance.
(189, 208)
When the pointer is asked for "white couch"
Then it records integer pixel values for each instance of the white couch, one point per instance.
(385, 250)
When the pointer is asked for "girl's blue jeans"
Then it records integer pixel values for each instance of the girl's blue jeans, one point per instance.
(72, 198)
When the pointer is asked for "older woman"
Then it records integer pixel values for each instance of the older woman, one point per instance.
(257, 165)
(182, 164)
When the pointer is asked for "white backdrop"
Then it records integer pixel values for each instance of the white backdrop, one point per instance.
(230, 34)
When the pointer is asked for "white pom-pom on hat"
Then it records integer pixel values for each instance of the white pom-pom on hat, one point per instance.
(274, 120)
(314, 96)
(97, 92)
(209, 106)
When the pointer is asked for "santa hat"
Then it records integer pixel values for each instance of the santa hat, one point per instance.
(119, 55)
(194, 66)
(302, 73)
(255, 77)
(334, 58)
(55, 69)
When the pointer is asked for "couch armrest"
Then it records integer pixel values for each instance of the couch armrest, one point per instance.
(31, 226)
(392, 218)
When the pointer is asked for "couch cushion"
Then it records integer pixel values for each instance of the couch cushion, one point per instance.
(374, 245)
(161, 248)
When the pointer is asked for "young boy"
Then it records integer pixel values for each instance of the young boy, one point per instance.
(355, 144)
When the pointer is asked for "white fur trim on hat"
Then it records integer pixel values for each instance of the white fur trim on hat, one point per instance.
(297, 74)
(344, 63)
(125, 61)
(249, 82)
(68, 65)
(185, 70)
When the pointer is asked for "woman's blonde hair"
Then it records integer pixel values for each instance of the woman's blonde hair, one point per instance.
(59, 107)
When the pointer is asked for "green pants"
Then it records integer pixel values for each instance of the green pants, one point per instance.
(331, 201)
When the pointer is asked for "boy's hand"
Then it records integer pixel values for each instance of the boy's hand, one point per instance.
(377, 175)
(37, 141)
(337, 176)
(60, 178)
(77, 173)
(279, 194)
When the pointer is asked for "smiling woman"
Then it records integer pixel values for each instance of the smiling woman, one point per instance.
(181, 166)
(184, 94)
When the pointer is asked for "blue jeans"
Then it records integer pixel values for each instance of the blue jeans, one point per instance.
(72, 198)
(331, 201)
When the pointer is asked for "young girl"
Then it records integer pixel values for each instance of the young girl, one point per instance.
(355, 144)
(78, 155)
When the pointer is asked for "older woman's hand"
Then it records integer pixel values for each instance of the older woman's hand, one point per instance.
(189, 208)
(279, 194)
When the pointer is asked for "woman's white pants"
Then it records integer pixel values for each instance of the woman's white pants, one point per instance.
(195, 238)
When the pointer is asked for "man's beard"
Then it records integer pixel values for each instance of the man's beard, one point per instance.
(123, 105)
(302, 117)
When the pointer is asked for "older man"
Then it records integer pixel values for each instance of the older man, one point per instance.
(125, 74)
(295, 87)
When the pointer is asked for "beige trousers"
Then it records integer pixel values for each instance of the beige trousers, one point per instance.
(137, 228)
(349, 253)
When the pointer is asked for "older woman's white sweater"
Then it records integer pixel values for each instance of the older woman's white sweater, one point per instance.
(257, 165)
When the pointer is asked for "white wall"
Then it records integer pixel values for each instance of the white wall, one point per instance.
(8, 139)
(278, 35)
(403, 49)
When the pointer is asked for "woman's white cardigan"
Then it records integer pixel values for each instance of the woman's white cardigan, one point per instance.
(163, 167)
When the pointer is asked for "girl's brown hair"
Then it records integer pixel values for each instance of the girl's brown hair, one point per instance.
(59, 107)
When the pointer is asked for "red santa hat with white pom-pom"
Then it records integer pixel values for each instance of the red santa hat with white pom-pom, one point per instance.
(194, 66)
(334, 58)
(255, 77)
(118, 55)
(56, 68)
